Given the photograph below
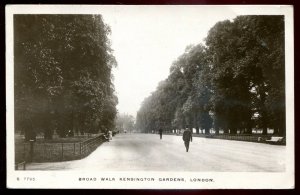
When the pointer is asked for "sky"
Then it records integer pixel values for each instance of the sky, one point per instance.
(147, 39)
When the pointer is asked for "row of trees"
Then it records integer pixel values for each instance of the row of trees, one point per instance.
(125, 122)
(62, 74)
(236, 81)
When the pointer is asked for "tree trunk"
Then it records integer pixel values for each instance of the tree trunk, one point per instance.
(217, 131)
(248, 130)
(264, 112)
(197, 130)
(207, 132)
(71, 134)
(265, 130)
(226, 131)
(27, 134)
(233, 131)
(281, 131)
(48, 135)
(27, 126)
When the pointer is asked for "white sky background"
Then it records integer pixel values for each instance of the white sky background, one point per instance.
(147, 39)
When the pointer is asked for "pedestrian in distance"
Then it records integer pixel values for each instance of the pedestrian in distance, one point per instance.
(106, 136)
(110, 134)
(187, 138)
(160, 133)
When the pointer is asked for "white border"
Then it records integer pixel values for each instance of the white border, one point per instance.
(222, 180)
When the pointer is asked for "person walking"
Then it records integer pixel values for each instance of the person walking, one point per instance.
(160, 133)
(110, 134)
(187, 138)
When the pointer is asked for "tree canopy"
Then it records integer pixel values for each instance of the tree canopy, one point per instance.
(63, 78)
(125, 122)
(235, 81)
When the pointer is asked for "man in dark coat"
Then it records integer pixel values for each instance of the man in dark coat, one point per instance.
(160, 133)
(187, 137)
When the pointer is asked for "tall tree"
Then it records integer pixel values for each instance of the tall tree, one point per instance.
(63, 73)
(247, 56)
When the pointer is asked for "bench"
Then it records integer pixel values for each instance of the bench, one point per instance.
(276, 140)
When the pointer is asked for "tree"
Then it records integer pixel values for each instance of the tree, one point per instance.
(125, 122)
(63, 73)
(241, 56)
(176, 104)
(234, 82)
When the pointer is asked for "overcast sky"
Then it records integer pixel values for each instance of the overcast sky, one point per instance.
(146, 40)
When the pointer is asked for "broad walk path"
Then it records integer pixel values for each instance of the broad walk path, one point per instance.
(146, 152)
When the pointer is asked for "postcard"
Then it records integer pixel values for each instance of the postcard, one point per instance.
(150, 96)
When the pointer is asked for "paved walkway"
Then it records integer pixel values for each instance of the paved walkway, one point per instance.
(146, 152)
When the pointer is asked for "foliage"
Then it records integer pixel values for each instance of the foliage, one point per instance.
(234, 82)
(125, 122)
(63, 74)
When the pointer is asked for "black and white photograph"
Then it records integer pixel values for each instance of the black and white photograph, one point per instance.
(150, 97)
